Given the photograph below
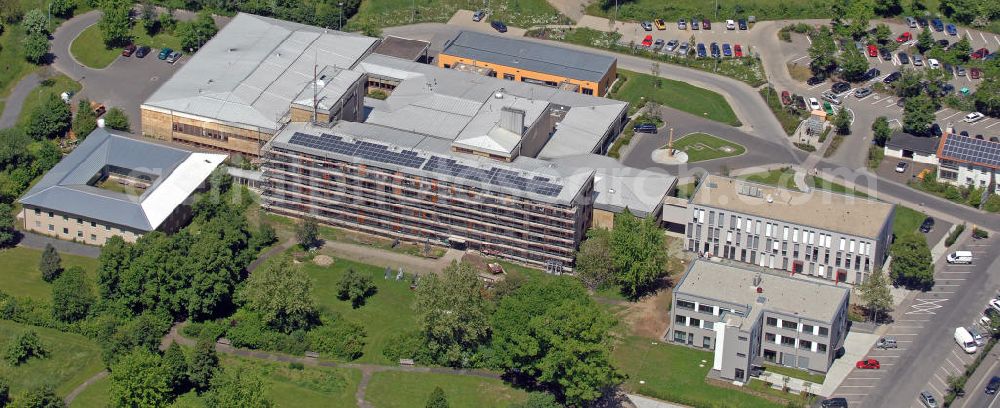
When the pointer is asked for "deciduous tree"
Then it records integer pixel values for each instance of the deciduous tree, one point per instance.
(842, 121)
(881, 130)
(50, 119)
(50, 264)
(822, 51)
(307, 233)
(176, 365)
(594, 266)
(638, 253)
(139, 379)
(860, 12)
(115, 25)
(875, 295)
(85, 120)
(35, 22)
(36, 47)
(62, 8)
(282, 294)
(25, 346)
(72, 296)
(8, 232)
(925, 40)
(116, 119)
(237, 388)
(853, 63)
(912, 264)
(193, 34)
(41, 396)
(918, 114)
(356, 287)
(454, 315)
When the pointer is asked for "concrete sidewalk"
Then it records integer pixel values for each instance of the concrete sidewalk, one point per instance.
(856, 346)
(647, 402)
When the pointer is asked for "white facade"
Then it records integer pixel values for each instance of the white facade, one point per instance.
(968, 174)
(917, 157)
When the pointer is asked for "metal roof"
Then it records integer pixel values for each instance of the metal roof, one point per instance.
(970, 150)
(404, 48)
(176, 174)
(906, 141)
(528, 55)
(617, 187)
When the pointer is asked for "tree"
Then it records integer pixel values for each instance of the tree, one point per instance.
(149, 21)
(593, 265)
(237, 388)
(909, 84)
(888, 8)
(35, 22)
(62, 8)
(881, 130)
(10, 10)
(36, 47)
(853, 63)
(24, 347)
(860, 12)
(875, 294)
(437, 399)
(115, 24)
(538, 400)
(822, 50)
(961, 49)
(454, 315)
(85, 120)
(193, 34)
(882, 33)
(842, 121)
(987, 97)
(282, 294)
(912, 264)
(139, 379)
(42, 396)
(50, 264)
(355, 287)
(50, 119)
(116, 119)
(956, 383)
(204, 364)
(307, 233)
(638, 253)
(918, 114)
(925, 40)
(4, 392)
(71, 295)
(8, 231)
(176, 365)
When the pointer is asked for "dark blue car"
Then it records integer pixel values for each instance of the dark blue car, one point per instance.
(727, 51)
(951, 29)
(937, 24)
(644, 128)
(715, 50)
(701, 50)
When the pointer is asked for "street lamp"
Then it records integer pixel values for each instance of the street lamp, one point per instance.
(340, 26)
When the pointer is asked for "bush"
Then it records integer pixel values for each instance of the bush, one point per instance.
(210, 330)
(806, 147)
(355, 287)
(294, 365)
(993, 203)
(980, 233)
(341, 339)
(25, 346)
(117, 120)
(404, 345)
(953, 236)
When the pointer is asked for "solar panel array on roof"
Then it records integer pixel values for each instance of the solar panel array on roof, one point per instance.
(365, 150)
(494, 175)
(972, 150)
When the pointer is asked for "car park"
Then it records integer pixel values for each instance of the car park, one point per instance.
(951, 29)
(478, 15)
(993, 386)
(644, 128)
(973, 117)
(903, 58)
(904, 37)
(995, 304)
(950, 70)
(901, 167)
(871, 74)
(786, 98)
(499, 26)
(682, 24)
(927, 225)
(977, 335)
(960, 70)
(975, 73)
(988, 315)
(799, 102)
(840, 87)
(128, 50)
(742, 23)
(164, 53)
(868, 364)
(737, 51)
(646, 25)
(918, 60)
(828, 108)
(959, 257)
(658, 44)
(730, 25)
(173, 57)
(830, 97)
(980, 53)
(872, 50)
(921, 21)
(705, 24)
(814, 104)
(838, 402)
(671, 45)
(815, 80)
(727, 51)
(928, 400)
(714, 47)
(647, 41)
(142, 51)
(893, 77)
(862, 93)
(660, 24)
(886, 55)
(964, 340)
(937, 24)
(684, 49)
(701, 50)
(933, 63)
(695, 24)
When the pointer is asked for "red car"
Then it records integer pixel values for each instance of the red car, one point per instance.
(737, 51)
(975, 73)
(872, 50)
(705, 24)
(980, 53)
(869, 364)
(786, 98)
(904, 37)
(128, 50)
(648, 41)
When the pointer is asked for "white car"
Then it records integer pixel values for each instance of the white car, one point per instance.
(901, 167)
(973, 117)
(995, 304)
(933, 63)
(730, 25)
(814, 104)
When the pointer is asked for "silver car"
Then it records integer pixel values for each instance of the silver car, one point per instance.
(928, 400)
(831, 97)
(683, 49)
(671, 46)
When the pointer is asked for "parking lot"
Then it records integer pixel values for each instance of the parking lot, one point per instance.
(633, 32)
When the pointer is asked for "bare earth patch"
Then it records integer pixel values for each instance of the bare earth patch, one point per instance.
(323, 260)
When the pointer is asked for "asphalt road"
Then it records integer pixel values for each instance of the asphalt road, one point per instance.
(975, 387)
(14, 103)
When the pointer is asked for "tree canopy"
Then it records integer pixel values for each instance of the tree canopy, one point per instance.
(912, 264)
(918, 114)
(282, 294)
(875, 295)
(50, 264)
(115, 24)
(85, 120)
(881, 130)
(637, 253)
(437, 399)
(822, 51)
(356, 287)
(594, 266)
(50, 119)
(139, 379)
(454, 315)
(236, 387)
(72, 296)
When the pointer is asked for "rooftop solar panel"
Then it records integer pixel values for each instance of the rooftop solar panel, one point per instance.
(972, 150)
(366, 150)
(494, 175)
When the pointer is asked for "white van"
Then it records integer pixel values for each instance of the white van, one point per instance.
(965, 340)
(959, 257)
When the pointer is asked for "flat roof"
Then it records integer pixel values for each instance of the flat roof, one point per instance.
(617, 187)
(530, 56)
(67, 186)
(831, 211)
(906, 141)
(734, 283)
(253, 69)
(405, 48)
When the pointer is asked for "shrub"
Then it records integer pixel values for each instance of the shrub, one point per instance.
(50, 264)
(24, 347)
(953, 236)
(355, 287)
(404, 345)
(980, 233)
(294, 365)
(210, 330)
(116, 119)
(806, 147)
(341, 339)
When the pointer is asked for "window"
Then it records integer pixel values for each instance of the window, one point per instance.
(788, 341)
(772, 321)
(683, 304)
(79, 220)
(50, 214)
(52, 227)
(93, 237)
(679, 336)
(706, 309)
(79, 234)
(790, 325)
(38, 212)
(93, 224)
(807, 328)
(588, 91)
(680, 319)
(741, 355)
(739, 374)
(820, 347)
(805, 344)
(694, 322)
(66, 231)
(509, 77)
(706, 342)
(742, 338)
(769, 337)
(823, 331)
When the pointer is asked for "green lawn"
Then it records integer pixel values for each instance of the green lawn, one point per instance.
(796, 373)
(685, 190)
(89, 50)
(672, 10)
(676, 373)
(388, 13)
(394, 389)
(702, 146)
(675, 94)
(72, 359)
(94, 396)
(906, 221)
(52, 86)
(384, 315)
(780, 178)
(20, 277)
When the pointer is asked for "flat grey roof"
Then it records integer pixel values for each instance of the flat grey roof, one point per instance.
(251, 71)
(827, 210)
(734, 284)
(528, 55)
(617, 187)
(405, 48)
(906, 141)
(65, 188)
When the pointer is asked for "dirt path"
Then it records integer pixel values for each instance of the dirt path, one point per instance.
(381, 257)
(79, 389)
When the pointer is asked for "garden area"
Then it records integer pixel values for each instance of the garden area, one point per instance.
(89, 49)
(702, 146)
(787, 115)
(387, 13)
(971, 196)
(638, 89)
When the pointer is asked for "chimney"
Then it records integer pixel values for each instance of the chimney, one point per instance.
(512, 120)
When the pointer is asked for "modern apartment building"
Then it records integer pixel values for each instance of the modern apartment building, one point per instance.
(834, 236)
(750, 316)
(970, 161)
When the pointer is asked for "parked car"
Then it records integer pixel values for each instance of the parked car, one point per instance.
(671, 45)
(928, 400)
(937, 24)
(727, 51)
(950, 70)
(886, 343)
(975, 73)
(959, 70)
(478, 15)
(173, 57)
(871, 74)
(862, 93)
(695, 24)
(786, 98)
(838, 402)
(813, 104)
(644, 128)
(831, 97)
(701, 50)
(684, 49)
(714, 47)
(499, 26)
(828, 108)
(128, 50)
(868, 364)
(980, 53)
(815, 80)
(943, 43)
(799, 102)
(995, 304)
(705, 24)
(904, 37)
(840, 87)
(959, 257)
(993, 386)
(964, 340)
(646, 25)
(660, 24)
(737, 51)
(927, 225)
(893, 77)
(872, 50)
(946, 89)
(922, 21)
(951, 29)
(901, 167)
(977, 335)
(886, 55)
(647, 41)
(658, 44)
(903, 58)
(934, 64)
(682, 24)
(973, 117)
(164, 53)
(911, 22)
(742, 23)
(142, 51)
(730, 25)
(918, 60)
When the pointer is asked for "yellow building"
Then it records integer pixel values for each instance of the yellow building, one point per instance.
(531, 62)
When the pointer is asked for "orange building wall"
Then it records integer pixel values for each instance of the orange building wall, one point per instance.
(600, 88)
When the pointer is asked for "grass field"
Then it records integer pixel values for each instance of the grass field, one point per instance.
(785, 178)
(384, 315)
(89, 50)
(702, 146)
(53, 86)
(72, 359)
(675, 94)
(20, 277)
(94, 396)
(388, 13)
(906, 221)
(393, 389)
(676, 373)
(672, 10)
(685, 190)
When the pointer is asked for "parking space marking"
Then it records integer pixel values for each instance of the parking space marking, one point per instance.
(936, 390)
(913, 320)
(925, 306)
(939, 378)
(983, 36)
(994, 124)
(997, 38)
(949, 116)
(937, 285)
(953, 364)
(858, 386)
(799, 58)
